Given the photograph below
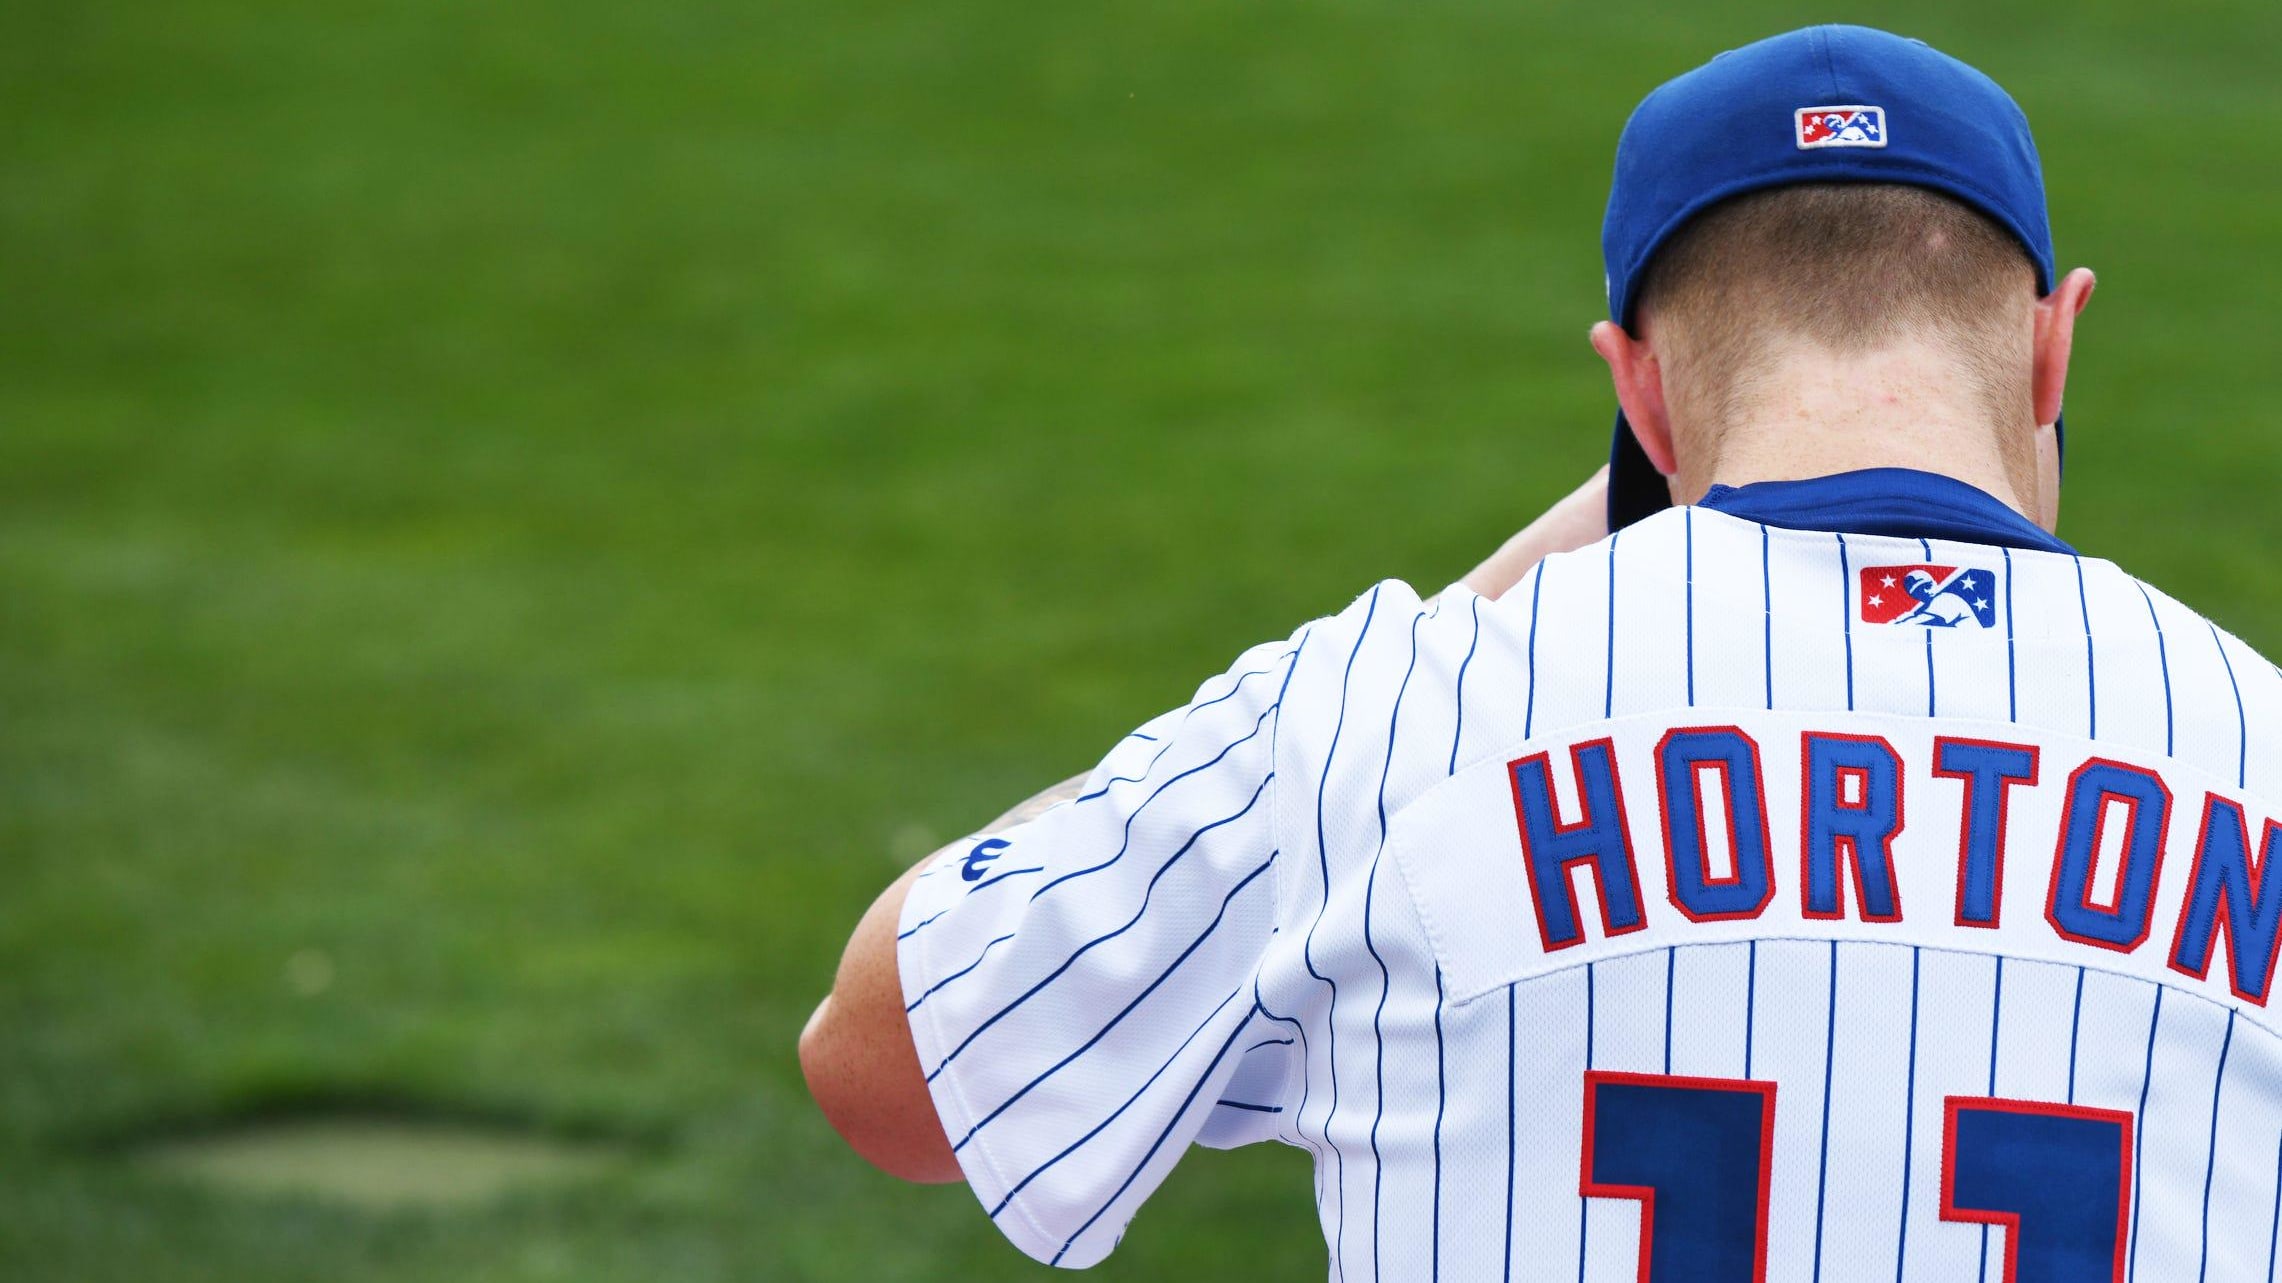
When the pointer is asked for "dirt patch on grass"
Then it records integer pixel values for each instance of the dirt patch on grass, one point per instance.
(379, 1163)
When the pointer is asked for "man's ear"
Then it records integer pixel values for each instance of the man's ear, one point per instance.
(2055, 339)
(1639, 381)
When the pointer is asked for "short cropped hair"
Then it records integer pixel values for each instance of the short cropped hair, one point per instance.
(1847, 266)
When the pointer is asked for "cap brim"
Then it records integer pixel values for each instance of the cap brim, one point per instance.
(1635, 488)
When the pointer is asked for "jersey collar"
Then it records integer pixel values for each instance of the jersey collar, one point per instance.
(1884, 501)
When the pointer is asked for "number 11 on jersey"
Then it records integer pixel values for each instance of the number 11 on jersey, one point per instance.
(1694, 1153)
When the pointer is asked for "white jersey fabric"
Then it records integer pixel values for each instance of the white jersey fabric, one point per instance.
(1664, 919)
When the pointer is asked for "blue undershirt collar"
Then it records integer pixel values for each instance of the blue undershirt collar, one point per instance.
(1901, 502)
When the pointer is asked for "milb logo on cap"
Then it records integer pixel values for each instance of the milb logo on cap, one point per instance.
(1929, 596)
(1850, 126)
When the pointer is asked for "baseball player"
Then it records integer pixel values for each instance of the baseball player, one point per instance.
(1804, 867)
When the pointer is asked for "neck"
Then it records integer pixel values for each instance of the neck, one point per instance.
(1813, 414)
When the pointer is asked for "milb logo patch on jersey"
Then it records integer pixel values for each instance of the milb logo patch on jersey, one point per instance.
(1849, 126)
(1930, 596)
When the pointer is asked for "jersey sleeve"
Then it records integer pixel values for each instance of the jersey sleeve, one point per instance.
(1078, 985)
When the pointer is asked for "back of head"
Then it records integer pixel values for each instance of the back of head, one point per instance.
(1826, 275)
(1726, 154)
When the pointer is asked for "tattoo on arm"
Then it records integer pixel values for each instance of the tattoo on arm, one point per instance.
(1041, 803)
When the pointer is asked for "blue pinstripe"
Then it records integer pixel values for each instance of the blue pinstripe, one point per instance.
(1089, 945)
(1306, 1055)
(1512, 1084)
(1846, 620)
(2139, 1134)
(914, 928)
(1386, 978)
(2163, 656)
(2091, 665)
(1996, 1020)
(1115, 1114)
(1608, 690)
(1458, 734)
(996, 878)
(1929, 703)
(913, 1005)
(1671, 973)
(1115, 1020)
(1688, 609)
(1909, 1120)
(1996, 1023)
(1441, 1080)
(1441, 1099)
(1750, 1003)
(1767, 614)
(1192, 711)
(1829, 1049)
(2241, 720)
(1163, 747)
(1156, 1145)
(2274, 1226)
(1585, 1205)
(1529, 708)
(2075, 1027)
(2012, 661)
(1307, 946)
(1591, 1051)
(1127, 840)
(1929, 697)
(2211, 1159)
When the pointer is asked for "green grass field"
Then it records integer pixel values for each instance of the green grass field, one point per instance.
(534, 511)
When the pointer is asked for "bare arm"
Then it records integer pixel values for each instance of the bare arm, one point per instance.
(1578, 519)
(857, 1052)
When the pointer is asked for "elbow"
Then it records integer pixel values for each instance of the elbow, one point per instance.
(892, 1130)
(816, 1064)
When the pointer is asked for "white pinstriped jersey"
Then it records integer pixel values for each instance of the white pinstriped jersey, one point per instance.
(1696, 911)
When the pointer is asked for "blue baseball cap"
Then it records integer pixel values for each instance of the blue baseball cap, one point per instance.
(1832, 104)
